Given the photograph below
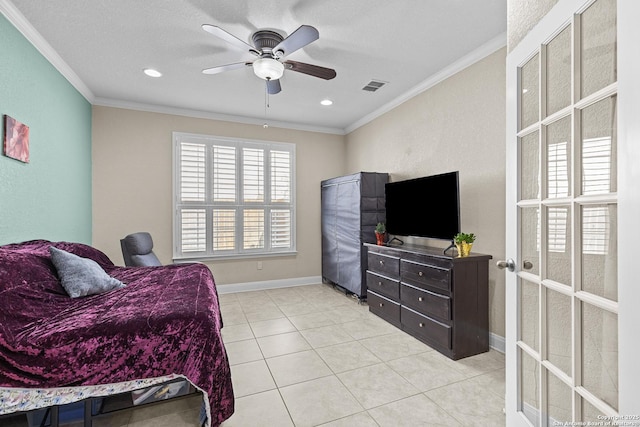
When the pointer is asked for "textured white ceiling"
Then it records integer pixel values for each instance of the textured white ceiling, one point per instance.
(107, 44)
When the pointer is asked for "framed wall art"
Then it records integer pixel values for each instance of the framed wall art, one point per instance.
(16, 139)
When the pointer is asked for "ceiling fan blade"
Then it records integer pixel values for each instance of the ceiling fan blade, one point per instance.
(229, 38)
(301, 37)
(273, 87)
(312, 70)
(222, 68)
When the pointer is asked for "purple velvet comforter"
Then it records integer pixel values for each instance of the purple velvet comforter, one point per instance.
(166, 321)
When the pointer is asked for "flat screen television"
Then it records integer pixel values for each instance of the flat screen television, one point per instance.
(424, 207)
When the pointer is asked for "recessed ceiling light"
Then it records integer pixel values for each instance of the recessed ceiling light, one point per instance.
(326, 102)
(152, 73)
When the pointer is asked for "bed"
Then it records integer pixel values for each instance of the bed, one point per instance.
(165, 323)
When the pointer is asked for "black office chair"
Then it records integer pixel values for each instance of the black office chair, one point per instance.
(137, 250)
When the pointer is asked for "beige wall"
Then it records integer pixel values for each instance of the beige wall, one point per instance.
(457, 125)
(132, 186)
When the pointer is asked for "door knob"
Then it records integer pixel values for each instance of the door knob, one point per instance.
(509, 264)
(527, 265)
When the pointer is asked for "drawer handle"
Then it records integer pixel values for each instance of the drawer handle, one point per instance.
(421, 324)
(379, 283)
(420, 299)
(381, 305)
(420, 273)
(381, 262)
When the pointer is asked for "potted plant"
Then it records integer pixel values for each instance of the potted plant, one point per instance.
(381, 230)
(463, 242)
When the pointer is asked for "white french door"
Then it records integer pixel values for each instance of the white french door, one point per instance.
(570, 203)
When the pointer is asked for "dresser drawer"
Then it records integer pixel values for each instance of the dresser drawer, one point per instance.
(426, 302)
(383, 285)
(425, 328)
(384, 264)
(384, 307)
(424, 275)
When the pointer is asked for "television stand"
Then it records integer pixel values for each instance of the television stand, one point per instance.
(439, 299)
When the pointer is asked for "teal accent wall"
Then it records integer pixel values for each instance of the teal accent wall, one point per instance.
(49, 197)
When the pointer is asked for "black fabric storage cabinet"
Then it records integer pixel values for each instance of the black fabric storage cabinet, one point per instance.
(352, 205)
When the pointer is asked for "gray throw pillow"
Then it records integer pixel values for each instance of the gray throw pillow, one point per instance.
(81, 276)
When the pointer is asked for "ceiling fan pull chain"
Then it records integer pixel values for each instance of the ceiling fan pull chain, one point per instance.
(266, 85)
(266, 103)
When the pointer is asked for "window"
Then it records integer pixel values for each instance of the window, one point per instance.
(232, 197)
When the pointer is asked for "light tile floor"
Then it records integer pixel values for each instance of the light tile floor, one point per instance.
(311, 356)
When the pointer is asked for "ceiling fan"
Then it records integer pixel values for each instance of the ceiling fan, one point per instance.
(271, 48)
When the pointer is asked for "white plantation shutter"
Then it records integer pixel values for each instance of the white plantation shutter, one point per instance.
(193, 230)
(253, 175)
(224, 230)
(224, 173)
(192, 172)
(233, 198)
(253, 229)
(192, 189)
(280, 176)
(280, 228)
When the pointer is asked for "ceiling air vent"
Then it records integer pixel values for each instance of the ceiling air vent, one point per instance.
(374, 85)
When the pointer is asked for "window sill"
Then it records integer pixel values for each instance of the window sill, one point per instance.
(205, 258)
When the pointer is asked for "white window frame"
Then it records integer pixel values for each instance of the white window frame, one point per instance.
(238, 252)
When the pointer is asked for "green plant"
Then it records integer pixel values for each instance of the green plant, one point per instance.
(381, 228)
(464, 237)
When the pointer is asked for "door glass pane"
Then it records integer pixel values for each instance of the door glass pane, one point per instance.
(559, 72)
(590, 412)
(530, 237)
(599, 250)
(559, 244)
(529, 314)
(558, 158)
(529, 100)
(598, 47)
(529, 386)
(530, 168)
(559, 401)
(600, 353)
(599, 151)
(559, 330)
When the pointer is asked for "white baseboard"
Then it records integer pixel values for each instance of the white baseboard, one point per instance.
(496, 342)
(268, 284)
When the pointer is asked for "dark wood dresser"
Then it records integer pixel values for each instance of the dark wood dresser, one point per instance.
(439, 299)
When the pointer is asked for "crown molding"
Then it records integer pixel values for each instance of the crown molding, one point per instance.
(199, 114)
(482, 52)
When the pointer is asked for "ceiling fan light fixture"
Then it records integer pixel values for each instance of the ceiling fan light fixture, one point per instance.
(268, 68)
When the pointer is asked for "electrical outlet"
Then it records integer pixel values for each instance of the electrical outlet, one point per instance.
(259, 265)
